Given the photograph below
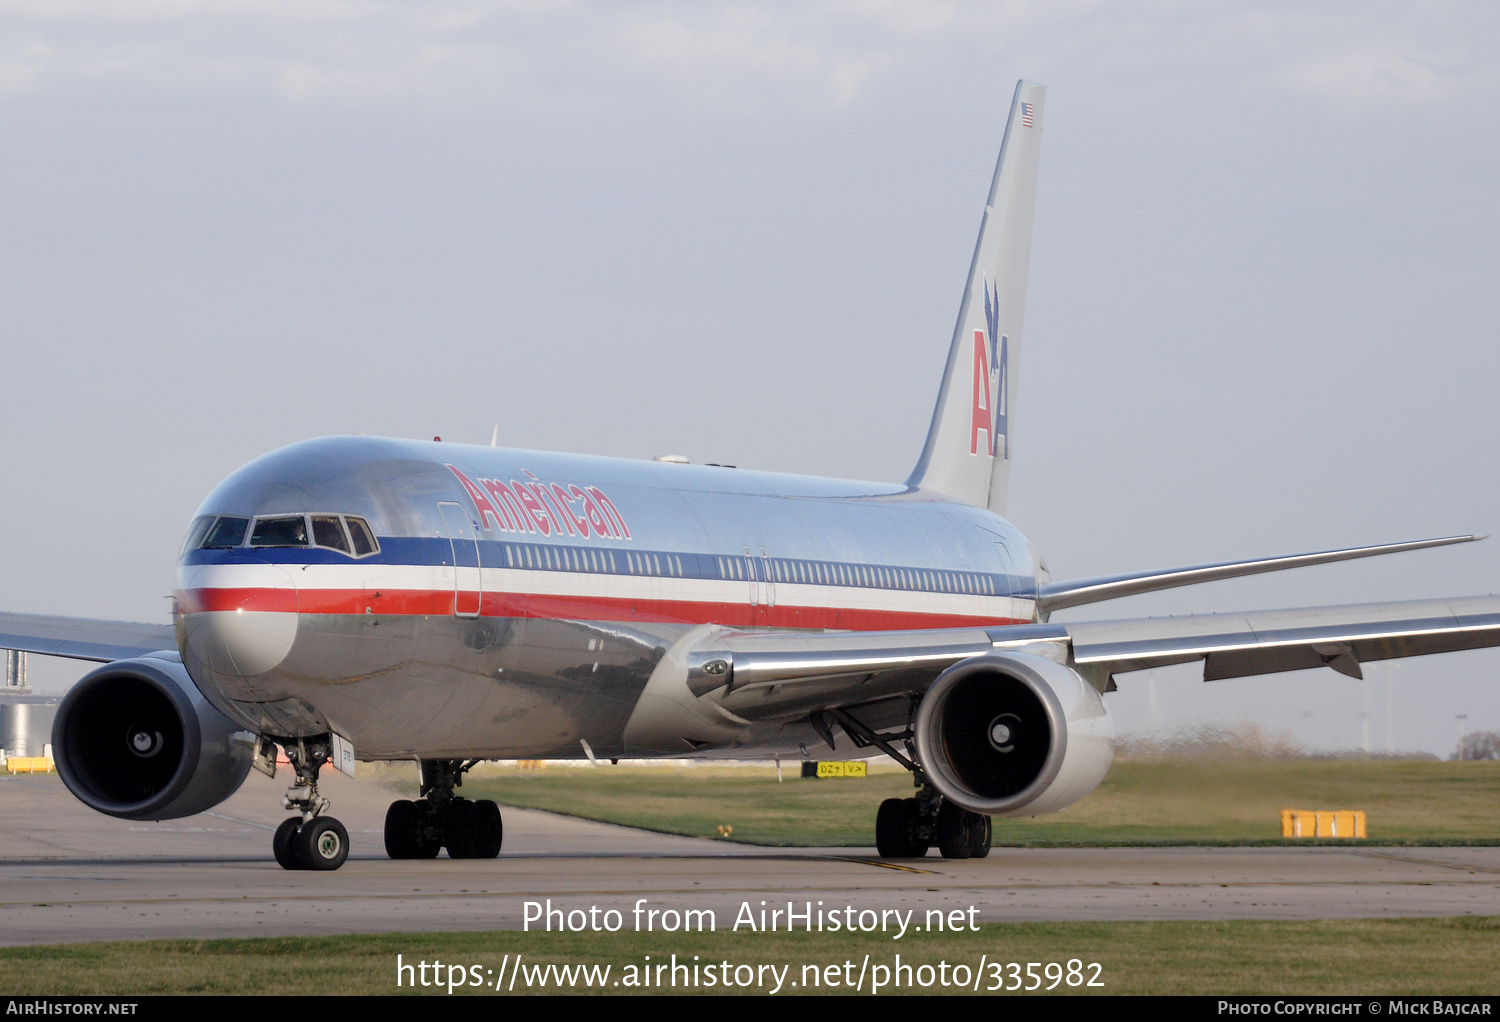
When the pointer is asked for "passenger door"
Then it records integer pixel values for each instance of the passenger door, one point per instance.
(762, 584)
(468, 587)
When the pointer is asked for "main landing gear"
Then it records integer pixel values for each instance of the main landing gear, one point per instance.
(440, 819)
(906, 827)
(311, 840)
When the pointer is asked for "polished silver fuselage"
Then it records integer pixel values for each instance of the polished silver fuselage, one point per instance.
(519, 602)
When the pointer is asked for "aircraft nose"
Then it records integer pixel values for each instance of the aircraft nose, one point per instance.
(238, 619)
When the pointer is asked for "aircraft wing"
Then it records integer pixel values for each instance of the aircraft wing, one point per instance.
(83, 638)
(768, 675)
(1077, 592)
(1268, 641)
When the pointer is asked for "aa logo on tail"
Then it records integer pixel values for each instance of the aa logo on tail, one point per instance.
(988, 410)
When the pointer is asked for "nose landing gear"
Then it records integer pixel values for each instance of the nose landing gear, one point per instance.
(441, 819)
(311, 840)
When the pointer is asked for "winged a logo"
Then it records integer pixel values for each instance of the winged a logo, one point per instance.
(999, 364)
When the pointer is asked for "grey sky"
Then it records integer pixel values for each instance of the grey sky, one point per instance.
(1263, 296)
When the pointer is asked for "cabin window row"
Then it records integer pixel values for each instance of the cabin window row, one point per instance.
(547, 557)
(869, 576)
(544, 557)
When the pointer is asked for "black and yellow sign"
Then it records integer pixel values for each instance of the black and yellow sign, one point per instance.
(834, 768)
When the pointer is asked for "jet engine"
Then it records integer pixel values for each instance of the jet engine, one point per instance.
(136, 739)
(1013, 734)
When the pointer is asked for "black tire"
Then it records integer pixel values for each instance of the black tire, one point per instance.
(284, 843)
(489, 830)
(979, 836)
(429, 833)
(953, 831)
(919, 837)
(322, 844)
(893, 825)
(403, 821)
(458, 828)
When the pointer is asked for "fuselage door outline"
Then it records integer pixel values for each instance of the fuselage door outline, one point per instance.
(468, 585)
(770, 578)
(752, 576)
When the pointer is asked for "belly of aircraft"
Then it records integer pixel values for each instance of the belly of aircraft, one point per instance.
(442, 687)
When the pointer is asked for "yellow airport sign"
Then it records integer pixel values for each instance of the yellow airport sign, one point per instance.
(1323, 823)
(28, 764)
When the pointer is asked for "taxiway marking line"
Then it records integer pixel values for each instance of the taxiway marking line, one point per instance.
(236, 819)
(781, 891)
(891, 865)
(1467, 867)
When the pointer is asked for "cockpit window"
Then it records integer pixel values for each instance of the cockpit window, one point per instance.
(364, 539)
(226, 532)
(286, 531)
(196, 532)
(332, 532)
(327, 531)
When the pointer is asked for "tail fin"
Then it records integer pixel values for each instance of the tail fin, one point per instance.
(968, 448)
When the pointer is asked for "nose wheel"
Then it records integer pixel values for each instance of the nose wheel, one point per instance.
(311, 840)
(321, 843)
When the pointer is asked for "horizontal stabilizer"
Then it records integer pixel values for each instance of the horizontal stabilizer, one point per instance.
(83, 638)
(1076, 593)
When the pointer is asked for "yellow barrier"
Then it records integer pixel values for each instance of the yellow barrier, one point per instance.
(835, 768)
(29, 764)
(1328, 823)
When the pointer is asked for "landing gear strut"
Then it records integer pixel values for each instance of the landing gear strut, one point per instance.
(310, 840)
(906, 827)
(441, 819)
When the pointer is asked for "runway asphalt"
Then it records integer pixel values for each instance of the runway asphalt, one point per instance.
(69, 874)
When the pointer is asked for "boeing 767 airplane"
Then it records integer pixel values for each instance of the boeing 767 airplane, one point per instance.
(364, 598)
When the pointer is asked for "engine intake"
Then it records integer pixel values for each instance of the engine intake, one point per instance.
(136, 739)
(1013, 734)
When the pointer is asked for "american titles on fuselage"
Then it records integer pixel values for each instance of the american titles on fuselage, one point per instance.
(534, 506)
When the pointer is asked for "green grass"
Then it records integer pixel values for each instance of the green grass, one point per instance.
(1363, 957)
(1184, 801)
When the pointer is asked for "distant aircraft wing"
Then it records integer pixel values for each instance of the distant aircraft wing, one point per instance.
(1077, 592)
(82, 638)
(766, 675)
(1268, 641)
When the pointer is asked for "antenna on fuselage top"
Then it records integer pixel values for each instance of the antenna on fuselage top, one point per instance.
(495, 436)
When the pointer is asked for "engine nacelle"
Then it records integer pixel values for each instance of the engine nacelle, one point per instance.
(1013, 734)
(136, 739)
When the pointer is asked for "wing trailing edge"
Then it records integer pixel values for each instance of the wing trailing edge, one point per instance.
(1078, 592)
